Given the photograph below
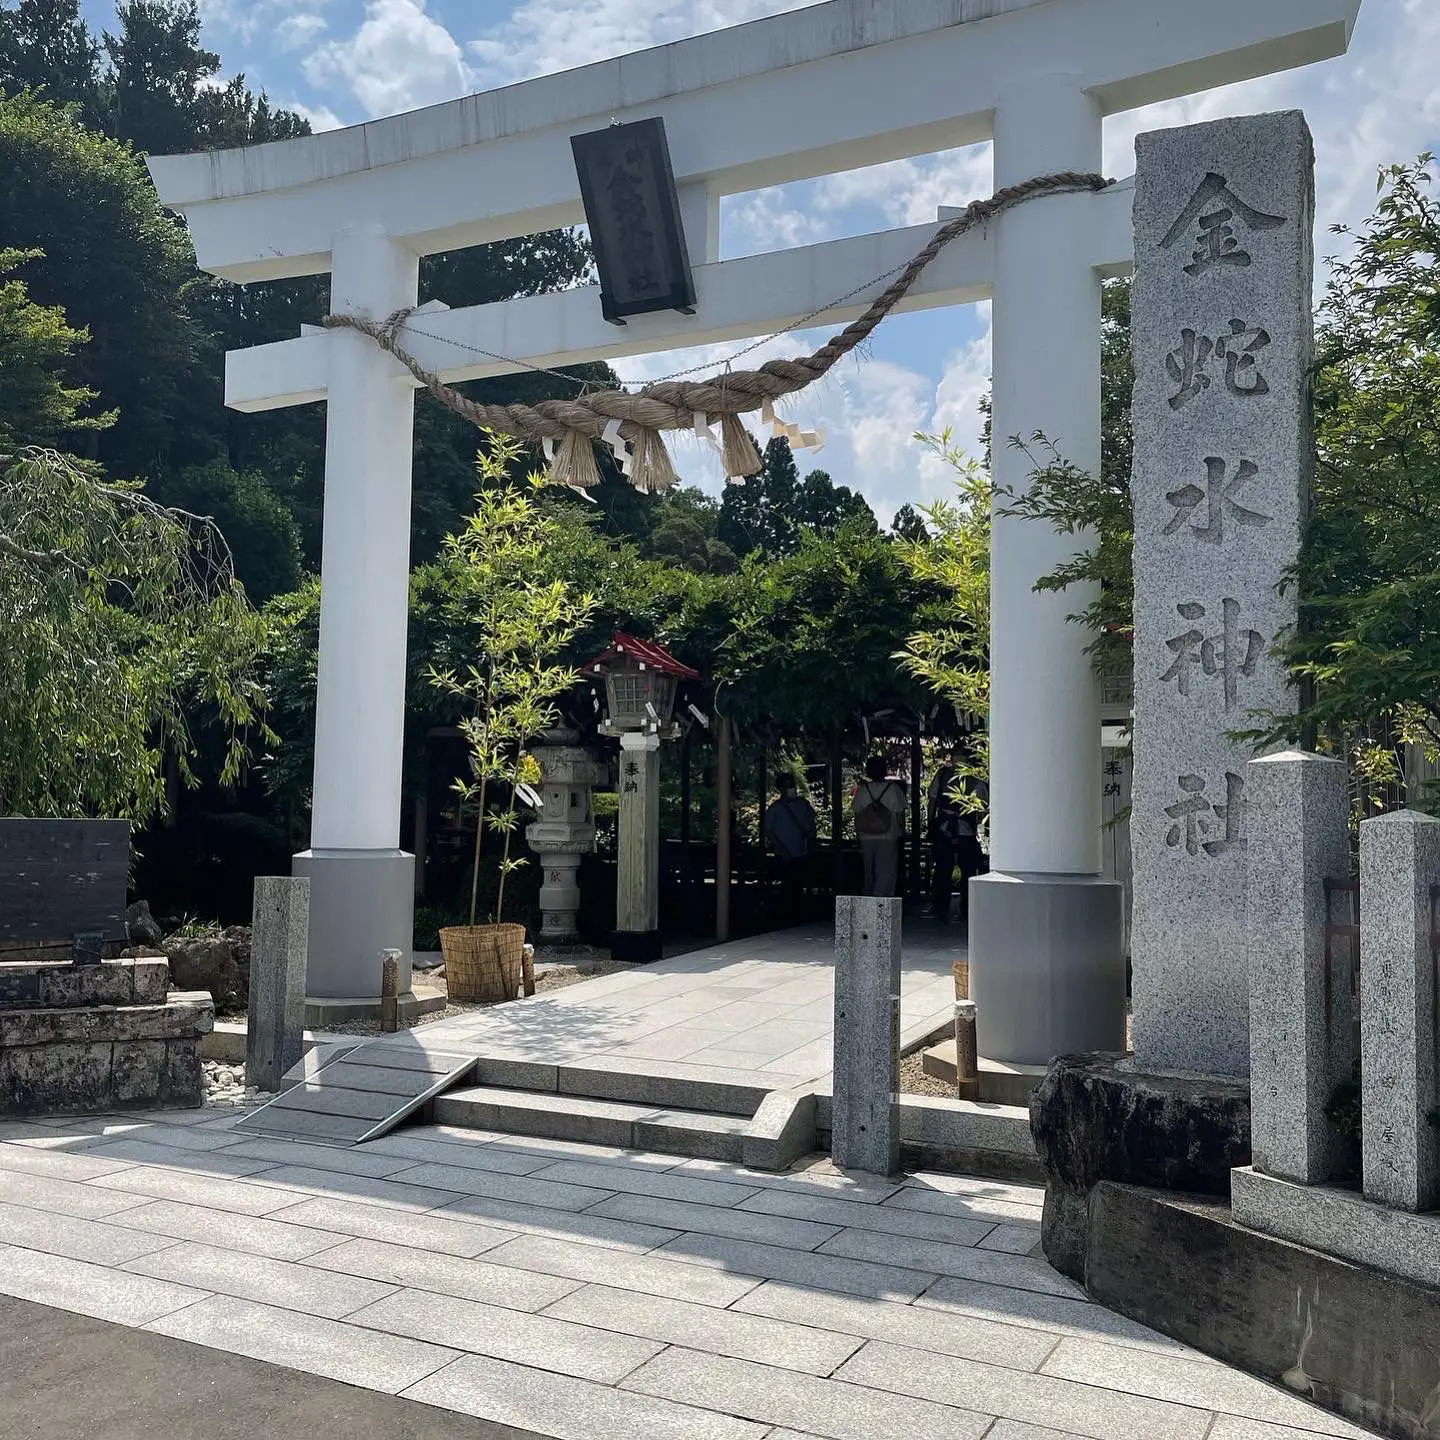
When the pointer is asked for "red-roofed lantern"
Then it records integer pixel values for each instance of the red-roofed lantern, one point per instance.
(641, 681)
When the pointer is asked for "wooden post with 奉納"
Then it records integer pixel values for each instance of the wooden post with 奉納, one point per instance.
(389, 987)
(967, 1054)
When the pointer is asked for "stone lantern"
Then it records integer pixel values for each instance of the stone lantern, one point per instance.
(565, 830)
(641, 682)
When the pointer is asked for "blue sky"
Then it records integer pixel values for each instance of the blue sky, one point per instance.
(345, 61)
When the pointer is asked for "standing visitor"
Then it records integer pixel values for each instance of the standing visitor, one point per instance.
(878, 807)
(949, 825)
(790, 833)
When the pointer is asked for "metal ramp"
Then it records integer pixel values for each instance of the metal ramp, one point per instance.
(358, 1095)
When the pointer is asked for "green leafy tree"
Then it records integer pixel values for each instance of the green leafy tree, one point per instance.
(46, 47)
(120, 623)
(37, 407)
(950, 656)
(114, 262)
(515, 627)
(908, 524)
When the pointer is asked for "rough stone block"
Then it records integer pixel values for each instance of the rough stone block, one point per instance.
(865, 1129)
(1399, 870)
(1222, 334)
(183, 1080)
(137, 1072)
(1301, 1021)
(152, 980)
(280, 937)
(54, 1078)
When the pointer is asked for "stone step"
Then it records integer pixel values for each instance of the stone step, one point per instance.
(59, 984)
(1000, 1083)
(692, 1133)
(654, 1084)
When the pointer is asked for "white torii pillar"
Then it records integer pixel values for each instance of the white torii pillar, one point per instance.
(362, 884)
(1047, 963)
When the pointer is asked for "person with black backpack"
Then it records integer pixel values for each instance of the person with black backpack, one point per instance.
(878, 807)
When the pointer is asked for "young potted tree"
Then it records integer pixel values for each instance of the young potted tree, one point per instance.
(515, 626)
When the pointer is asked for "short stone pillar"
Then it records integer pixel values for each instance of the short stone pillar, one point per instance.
(564, 832)
(1301, 1021)
(1399, 870)
(1224, 254)
(865, 1126)
(637, 901)
(275, 1030)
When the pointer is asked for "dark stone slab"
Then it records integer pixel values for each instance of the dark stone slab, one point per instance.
(183, 1017)
(60, 877)
(1095, 1117)
(1358, 1341)
(55, 1078)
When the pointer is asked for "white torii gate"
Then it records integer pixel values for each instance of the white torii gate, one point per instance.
(812, 92)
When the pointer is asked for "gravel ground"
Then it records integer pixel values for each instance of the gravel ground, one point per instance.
(225, 1084)
(914, 1080)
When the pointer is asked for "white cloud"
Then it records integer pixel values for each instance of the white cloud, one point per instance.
(295, 31)
(908, 192)
(321, 117)
(542, 36)
(399, 59)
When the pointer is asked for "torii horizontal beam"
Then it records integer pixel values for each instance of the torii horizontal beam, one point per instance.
(737, 299)
(811, 92)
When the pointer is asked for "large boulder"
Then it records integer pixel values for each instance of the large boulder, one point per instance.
(206, 964)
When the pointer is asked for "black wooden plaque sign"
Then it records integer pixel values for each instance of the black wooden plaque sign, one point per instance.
(628, 189)
(61, 877)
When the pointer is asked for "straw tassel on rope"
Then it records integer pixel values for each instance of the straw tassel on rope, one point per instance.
(570, 425)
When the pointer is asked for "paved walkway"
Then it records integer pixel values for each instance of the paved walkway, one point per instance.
(594, 1294)
(759, 1008)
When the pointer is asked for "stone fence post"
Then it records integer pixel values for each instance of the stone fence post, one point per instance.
(1399, 867)
(275, 1032)
(865, 1129)
(1301, 1028)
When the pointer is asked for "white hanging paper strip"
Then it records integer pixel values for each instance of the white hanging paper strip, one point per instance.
(547, 445)
(611, 436)
(704, 432)
(799, 439)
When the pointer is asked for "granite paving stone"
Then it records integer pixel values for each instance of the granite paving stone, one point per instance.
(406, 1150)
(716, 1220)
(815, 1177)
(968, 1207)
(405, 1192)
(994, 1267)
(1188, 1382)
(128, 1153)
(1054, 1314)
(572, 1227)
(570, 1409)
(565, 1349)
(65, 1197)
(340, 1351)
(1013, 1239)
(354, 1160)
(252, 1277)
(916, 1224)
(648, 1274)
(780, 1343)
(79, 1239)
(405, 1266)
(450, 1236)
(784, 1397)
(87, 1289)
(800, 1267)
(1019, 1395)
(215, 1191)
(522, 1189)
(250, 1234)
(1235, 1427)
(167, 1137)
(965, 1336)
(641, 1181)
(56, 1163)
(1010, 1430)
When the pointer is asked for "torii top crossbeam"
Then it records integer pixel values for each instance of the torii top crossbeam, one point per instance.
(811, 92)
(828, 88)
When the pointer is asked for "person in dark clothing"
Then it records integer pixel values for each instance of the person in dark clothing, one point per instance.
(790, 833)
(947, 824)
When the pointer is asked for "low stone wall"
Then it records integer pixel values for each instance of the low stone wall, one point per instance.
(80, 1039)
(1356, 1340)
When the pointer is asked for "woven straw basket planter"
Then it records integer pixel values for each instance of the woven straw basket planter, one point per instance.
(483, 962)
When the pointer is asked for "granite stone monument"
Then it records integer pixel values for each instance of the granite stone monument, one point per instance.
(1301, 1019)
(1222, 336)
(1400, 897)
(865, 1128)
(275, 1029)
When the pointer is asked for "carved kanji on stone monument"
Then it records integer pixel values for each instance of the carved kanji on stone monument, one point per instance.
(1222, 342)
